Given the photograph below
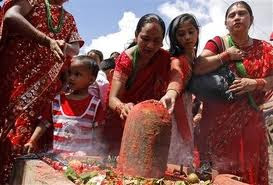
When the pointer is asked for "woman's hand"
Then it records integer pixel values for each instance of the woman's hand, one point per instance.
(168, 100)
(235, 53)
(243, 85)
(30, 146)
(55, 46)
(127, 107)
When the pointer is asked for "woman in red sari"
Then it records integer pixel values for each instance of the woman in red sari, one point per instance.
(232, 134)
(38, 37)
(141, 73)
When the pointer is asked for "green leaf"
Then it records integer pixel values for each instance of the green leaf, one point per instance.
(71, 174)
(87, 176)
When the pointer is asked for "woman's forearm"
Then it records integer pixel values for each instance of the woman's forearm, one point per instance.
(15, 22)
(207, 64)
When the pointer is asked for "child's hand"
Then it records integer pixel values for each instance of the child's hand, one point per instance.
(168, 100)
(29, 147)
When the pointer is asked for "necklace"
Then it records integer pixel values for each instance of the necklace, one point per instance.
(51, 27)
(243, 44)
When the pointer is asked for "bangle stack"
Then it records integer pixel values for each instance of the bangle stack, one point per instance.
(224, 57)
(260, 83)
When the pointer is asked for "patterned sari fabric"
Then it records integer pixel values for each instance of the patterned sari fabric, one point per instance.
(150, 83)
(232, 134)
(30, 79)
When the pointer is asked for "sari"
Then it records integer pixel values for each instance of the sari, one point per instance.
(232, 135)
(150, 82)
(30, 79)
(181, 145)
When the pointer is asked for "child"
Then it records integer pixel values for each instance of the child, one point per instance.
(76, 116)
(96, 55)
(183, 34)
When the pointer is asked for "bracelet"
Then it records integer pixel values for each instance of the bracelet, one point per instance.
(173, 90)
(260, 83)
(224, 57)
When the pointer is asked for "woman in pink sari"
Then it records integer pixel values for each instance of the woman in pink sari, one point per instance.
(142, 72)
(232, 133)
(38, 38)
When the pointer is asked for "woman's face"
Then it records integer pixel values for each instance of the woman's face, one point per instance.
(149, 39)
(186, 35)
(238, 19)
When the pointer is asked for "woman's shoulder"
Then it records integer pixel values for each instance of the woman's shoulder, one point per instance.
(164, 53)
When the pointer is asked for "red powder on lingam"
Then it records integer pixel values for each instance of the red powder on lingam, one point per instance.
(146, 140)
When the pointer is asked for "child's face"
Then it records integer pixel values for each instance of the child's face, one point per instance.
(186, 35)
(79, 76)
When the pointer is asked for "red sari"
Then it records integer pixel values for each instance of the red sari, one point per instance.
(232, 134)
(181, 146)
(29, 74)
(150, 83)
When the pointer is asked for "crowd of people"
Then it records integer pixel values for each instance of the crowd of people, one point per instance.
(54, 99)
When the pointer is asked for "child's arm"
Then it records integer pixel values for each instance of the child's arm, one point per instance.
(38, 132)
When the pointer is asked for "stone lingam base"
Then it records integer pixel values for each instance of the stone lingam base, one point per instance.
(37, 172)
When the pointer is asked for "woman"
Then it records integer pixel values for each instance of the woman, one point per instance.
(141, 73)
(37, 40)
(232, 134)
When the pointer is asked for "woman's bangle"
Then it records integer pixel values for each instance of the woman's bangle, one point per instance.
(173, 90)
(224, 57)
(260, 83)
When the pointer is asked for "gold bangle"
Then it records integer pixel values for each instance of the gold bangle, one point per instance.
(173, 90)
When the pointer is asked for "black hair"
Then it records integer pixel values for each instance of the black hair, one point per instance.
(244, 4)
(175, 49)
(113, 53)
(148, 18)
(89, 62)
(108, 63)
(97, 52)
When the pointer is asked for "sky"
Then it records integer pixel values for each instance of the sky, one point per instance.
(109, 25)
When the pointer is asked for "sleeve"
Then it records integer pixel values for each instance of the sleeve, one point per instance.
(9, 3)
(212, 44)
(74, 35)
(100, 115)
(176, 75)
(123, 68)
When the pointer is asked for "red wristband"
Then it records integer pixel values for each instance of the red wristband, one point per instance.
(260, 83)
